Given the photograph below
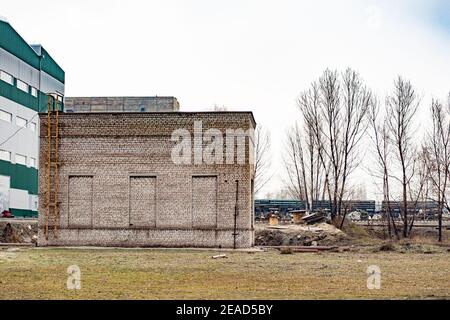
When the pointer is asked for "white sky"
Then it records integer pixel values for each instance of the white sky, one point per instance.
(253, 55)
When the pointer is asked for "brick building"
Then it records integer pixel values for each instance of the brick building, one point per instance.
(119, 186)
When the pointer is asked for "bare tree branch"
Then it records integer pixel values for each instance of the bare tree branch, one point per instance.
(401, 107)
(262, 158)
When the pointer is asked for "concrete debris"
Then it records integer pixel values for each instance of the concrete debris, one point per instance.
(16, 231)
(220, 256)
(322, 234)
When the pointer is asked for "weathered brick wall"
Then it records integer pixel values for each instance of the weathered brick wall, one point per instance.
(118, 185)
(121, 104)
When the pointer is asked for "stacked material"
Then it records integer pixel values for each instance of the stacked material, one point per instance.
(315, 217)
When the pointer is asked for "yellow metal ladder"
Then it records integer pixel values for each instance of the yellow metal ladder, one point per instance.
(52, 166)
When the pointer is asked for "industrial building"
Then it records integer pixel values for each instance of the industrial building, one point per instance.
(27, 74)
(121, 104)
(100, 170)
(110, 179)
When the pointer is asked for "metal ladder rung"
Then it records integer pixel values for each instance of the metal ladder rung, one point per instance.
(52, 163)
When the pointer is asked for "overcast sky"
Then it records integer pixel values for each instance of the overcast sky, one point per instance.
(253, 55)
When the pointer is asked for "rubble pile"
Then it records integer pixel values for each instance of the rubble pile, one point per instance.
(321, 234)
(18, 231)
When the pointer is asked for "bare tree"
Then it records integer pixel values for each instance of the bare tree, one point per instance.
(280, 194)
(303, 167)
(380, 137)
(218, 108)
(437, 156)
(401, 107)
(306, 166)
(262, 172)
(294, 164)
(418, 187)
(335, 109)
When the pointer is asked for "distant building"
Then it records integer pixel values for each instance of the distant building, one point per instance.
(121, 104)
(28, 73)
(264, 206)
(396, 207)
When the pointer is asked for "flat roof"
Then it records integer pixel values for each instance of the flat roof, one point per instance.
(139, 97)
(160, 112)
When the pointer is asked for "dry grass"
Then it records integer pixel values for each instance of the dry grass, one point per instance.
(188, 274)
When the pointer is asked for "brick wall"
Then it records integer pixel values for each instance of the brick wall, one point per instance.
(118, 185)
(121, 104)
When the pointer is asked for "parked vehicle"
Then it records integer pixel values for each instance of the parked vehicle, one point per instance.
(7, 214)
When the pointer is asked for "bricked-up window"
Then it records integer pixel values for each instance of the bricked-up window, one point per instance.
(204, 201)
(80, 201)
(252, 197)
(142, 201)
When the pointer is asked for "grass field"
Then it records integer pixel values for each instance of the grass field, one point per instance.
(189, 274)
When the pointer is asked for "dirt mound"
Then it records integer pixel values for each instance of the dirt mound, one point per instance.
(18, 231)
(321, 234)
(405, 246)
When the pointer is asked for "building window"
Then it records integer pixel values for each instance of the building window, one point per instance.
(32, 162)
(5, 116)
(21, 122)
(6, 77)
(22, 85)
(34, 92)
(59, 96)
(33, 202)
(5, 155)
(4, 192)
(32, 126)
(21, 159)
